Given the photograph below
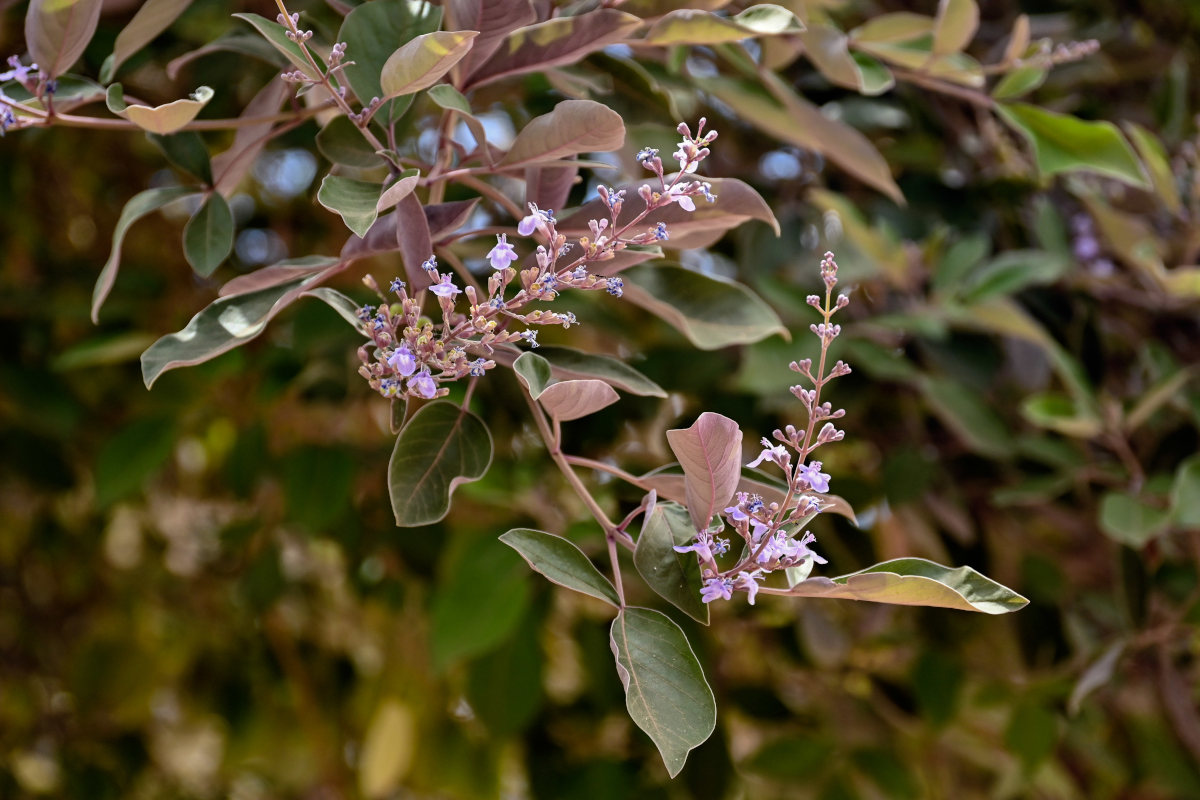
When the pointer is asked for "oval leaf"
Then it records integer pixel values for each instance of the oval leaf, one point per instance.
(399, 190)
(208, 237)
(58, 31)
(1062, 143)
(665, 690)
(917, 582)
(710, 453)
(421, 62)
(570, 400)
(342, 142)
(561, 562)
(694, 26)
(170, 117)
(573, 127)
(372, 32)
(441, 447)
(675, 576)
(154, 17)
(356, 202)
(533, 371)
(954, 26)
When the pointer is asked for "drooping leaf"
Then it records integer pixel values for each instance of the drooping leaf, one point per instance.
(232, 165)
(154, 17)
(423, 60)
(697, 27)
(346, 308)
(138, 206)
(568, 400)
(675, 576)
(711, 312)
(58, 31)
(372, 32)
(562, 562)
(534, 372)
(283, 272)
(573, 127)
(494, 19)
(566, 363)
(342, 142)
(185, 150)
(208, 236)
(710, 452)
(665, 690)
(441, 447)
(356, 202)
(563, 40)
(276, 35)
(917, 582)
(1063, 143)
(955, 25)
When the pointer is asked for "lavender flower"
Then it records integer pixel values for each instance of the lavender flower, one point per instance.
(445, 287)
(615, 286)
(717, 587)
(423, 385)
(402, 361)
(503, 254)
(776, 454)
(812, 475)
(537, 220)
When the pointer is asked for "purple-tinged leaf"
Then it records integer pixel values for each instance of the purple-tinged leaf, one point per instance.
(422, 61)
(673, 486)
(917, 582)
(657, 8)
(566, 363)
(443, 219)
(164, 119)
(665, 690)
(573, 127)
(1097, 675)
(564, 40)
(710, 452)
(283, 272)
(138, 206)
(674, 576)
(58, 31)
(562, 562)
(414, 240)
(208, 236)
(494, 19)
(570, 400)
(403, 187)
(231, 166)
(354, 201)
(246, 44)
(549, 187)
(441, 447)
(154, 17)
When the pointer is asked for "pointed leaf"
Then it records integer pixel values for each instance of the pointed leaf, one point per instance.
(533, 371)
(154, 17)
(414, 239)
(570, 400)
(276, 35)
(1062, 143)
(422, 61)
(675, 576)
(711, 312)
(166, 118)
(372, 32)
(550, 187)
(567, 363)
(955, 25)
(356, 202)
(282, 272)
(346, 308)
(917, 582)
(665, 690)
(58, 31)
(402, 188)
(441, 447)
(185, 150)
(696, 27)
(208, 237)
(710, 452)
(574, 126)
(827, 48)
(563, 40)
(443, 219)
(561, 562)
(138, 206)
(1158, 167)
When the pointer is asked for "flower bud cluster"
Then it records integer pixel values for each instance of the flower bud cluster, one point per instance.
(31, 79)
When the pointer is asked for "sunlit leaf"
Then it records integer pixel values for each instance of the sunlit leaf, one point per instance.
(710, 452)
(568, 400)
(208, 237)
(675, 576)
(1062, 143)
(494, 19)
(422, 61)
(356, 202)
(697, 27)
(163, 119)
(562, 562)
(372, 32)
(899, 26)
(534, 372)
(665, 690)
(387, 749)
(154, 17)
(441, 447)
(955, 25)
(574, 126)
(58, 31)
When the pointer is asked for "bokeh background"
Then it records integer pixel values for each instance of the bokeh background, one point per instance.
(202, 593)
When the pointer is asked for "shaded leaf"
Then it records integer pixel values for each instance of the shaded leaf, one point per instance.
(414, 239)
(1130, 520)
(58, 31)
(1158, 167)
(917, 582)
(354, 201)
(698, 27)
(443, 219)
(494, 19)
(665, 690)
(573, 127)
(231, 166)
(1062, 143)
(504, 686)
(441, 447)
(452, 99)
(568, 400)
(1012, 271)
(955, 25)
(208, 236)
(372, 32)
(151, 19)
(403, 187)
(567, 363)
(346, 308)
(342, 142)
(283, 272)
(966, 413)
(711, 312)
(247, 44)
(710, 452)
(562, 562)
(1185, 494)
(1058, 412)
(827, 48)
(276, 36)
(128, 459)
(1020, 81)
(138, 206)
(187, 151)
(422, 61)
(674, 576)
(534, 372)
(549, 187)
(1096, 676)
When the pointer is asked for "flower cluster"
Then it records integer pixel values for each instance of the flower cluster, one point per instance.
(771, 531)
(410, 355)
(32, 79)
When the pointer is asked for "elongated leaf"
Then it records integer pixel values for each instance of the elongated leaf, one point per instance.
(1020, 81)
(570, 400)
(711, 312)
(163, 119)
(185, 150)
(567, 363)
(917, 582)
(356, 202)
(1062, 143)
(1012, 271)
(58, 31)
(208, 237)
(283, 272)
(414, 240)
(346, 308)
(549, 187)
(422, 61)
(968, 415)
(276, 35)
(223, 325)
(564, 40)
(443, 219)
(441, 447)
(388, 748)
(697, 27)
(710, 452)
(574, 126)
(562, 562)
(231, 166)
(665, 690)
(1158, 167)
(675, 576)
(900, 26)
(241, 42)
(399, 190)
(154, 17)
(955, 25)
(452, 99)
(494, 19)
(827, 48)
(533, 371)
(372, 32)
(1185, 494)
(138, 206)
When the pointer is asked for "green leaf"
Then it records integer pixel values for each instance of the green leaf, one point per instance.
(240, 42)
(422, 61)
(675, 576)
(826, 47)
(567, 363)
(342, 142)
(276, 35)
(151, 19)
(665, 690)
(1057, 412)
(1185, 494)
(954, 26)
(534, 372)
(711, 312)
(697, 27)
(132, 456)
(562, 562)
(441, 447)
(1129, 520)
(574, 126)
(102, 351)
(1012, 271)
(187, 151)
(1032, 733)
(58, 31)
(917, 582)
(710, 452)
(504, 687)
(208, 237)
(356, 202)
(1062, 143)
(346, 308)
(1154, 158)
(138, 206)
(1020, 81)
(966, 413)
(372, 32)
(900, 26)
(568, 400)
(937, 680)
(164, 119)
